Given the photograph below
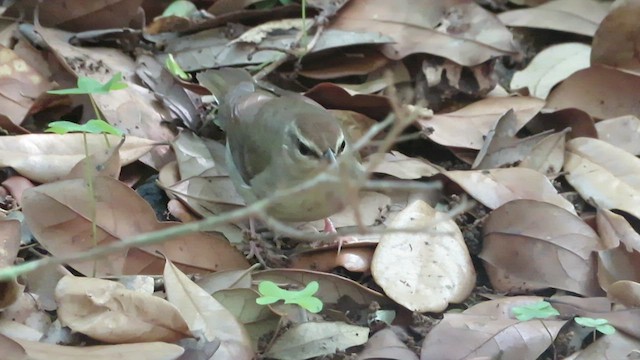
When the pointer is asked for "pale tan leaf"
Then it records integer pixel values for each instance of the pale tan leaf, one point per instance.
(10, 290)
(575, 16)
(550, 67)
(612, 93)
(621, 259)
(538, 245)
(107, 311)
(312, 339)
(604, 174)
(424, 271)
(50, 157)
(385, 344)
(623, 132)
(496, 187)
(403, 167)
(103, 163)
(615, 346)
(205, 315)
(39, 351)
(194, 156)
(59, 215)
(625, 292)
(467, 127)
(547, 156)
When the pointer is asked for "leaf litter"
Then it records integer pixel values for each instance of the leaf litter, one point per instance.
(525, 112)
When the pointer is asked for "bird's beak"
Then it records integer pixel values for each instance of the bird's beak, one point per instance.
(330, 156)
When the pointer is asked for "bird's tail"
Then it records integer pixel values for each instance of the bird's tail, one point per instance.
(227, 85)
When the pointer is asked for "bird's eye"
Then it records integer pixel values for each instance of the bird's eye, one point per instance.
(343, 145)
(305, 150)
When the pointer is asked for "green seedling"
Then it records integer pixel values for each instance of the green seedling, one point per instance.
(90, 127)
(304, 298)
(539, 310)
(601, 325)
(87, 85)
(175, 69)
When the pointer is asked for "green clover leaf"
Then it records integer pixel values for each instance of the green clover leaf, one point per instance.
(539, 310)
(304, 298)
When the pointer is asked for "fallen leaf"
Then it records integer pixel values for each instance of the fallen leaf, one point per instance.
(616, 40)
(107, 311)
(623, 132)
(385, 344)
(563, 245)
(625, 292)
(621, 258)
(401, 166)
(423, 271)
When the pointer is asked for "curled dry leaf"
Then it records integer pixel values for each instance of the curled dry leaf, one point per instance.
(467, 127)
(427, 269)
(353, 257)
(107, 311)
(489, 329)
(625, 292)
(531, 245)
(313, 339)
(611, 93)
(205, 315)
(50, 157)
(59, 216)
(385, 344)
(575, 16)
(604, 174)
(621, 259)
(403, 167)
(547, 156)
(623, 132)
(551, 66)
(496, 187)
(19, 349)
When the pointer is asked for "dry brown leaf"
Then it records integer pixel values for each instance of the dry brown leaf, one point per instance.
(575, 16)
(623, 132)
(401, 166)
(21, 85)
(604, 174)
(103, 163)
(621, 259)
(426, 270)
(195, 158)
(502, 148)
(550, 66)
(107, 311)
(614, 346)
(311, 339)
(358, 61)
(430, 27)
(205, 315)
(59, 217)
(612, 93)
(385, 344)
(532, 245)
(18, 349)
(579, 122)
(50, 157)
(616, 42)
(353, 257)
(467, 127)
(496, 187)
(547, 156)
(465, 336)
(625, 292)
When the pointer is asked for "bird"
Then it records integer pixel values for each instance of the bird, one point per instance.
(277, 140)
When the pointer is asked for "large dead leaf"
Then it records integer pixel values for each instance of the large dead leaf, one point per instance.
(403, 167)
(313, 339)
(547, 156)
(458, 30)
(617, 40)
(575, 16)
(18, 349)
(496, 187)
(467, 127)
(205, 315)
(610, 93)
(59, 217)
(551, 66)
(604, 174)
(423, 271)
(488, 329)
(530, 245)
(50, 157)
(10, 290)
(107, 311)
(614, 346)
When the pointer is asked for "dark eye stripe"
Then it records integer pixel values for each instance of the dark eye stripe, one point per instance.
(307, 150)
